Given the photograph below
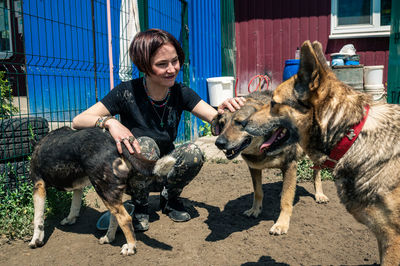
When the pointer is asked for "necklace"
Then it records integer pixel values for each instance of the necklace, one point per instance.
(154, 104)
(160, 117)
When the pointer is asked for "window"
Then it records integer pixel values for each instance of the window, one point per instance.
(360, 18)
(5, 30)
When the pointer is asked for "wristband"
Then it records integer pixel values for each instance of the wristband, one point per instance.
(102, 120)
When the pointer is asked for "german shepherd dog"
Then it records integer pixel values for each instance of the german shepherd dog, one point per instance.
(72, 159)
(345, 130)
(259, 152)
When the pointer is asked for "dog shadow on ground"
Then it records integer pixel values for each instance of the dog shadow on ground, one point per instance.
(224, 223)
(86, 224)
(265, 260)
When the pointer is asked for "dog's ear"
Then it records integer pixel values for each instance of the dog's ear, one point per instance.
(308, 66)
(215, 126)
(317, 46)
(313, 66)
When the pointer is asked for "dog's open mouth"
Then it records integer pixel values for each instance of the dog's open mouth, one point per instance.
(233, 153)
(278, 137)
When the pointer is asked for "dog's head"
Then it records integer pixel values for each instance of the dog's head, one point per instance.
(233, 138)
(311, 103)
(293, 100)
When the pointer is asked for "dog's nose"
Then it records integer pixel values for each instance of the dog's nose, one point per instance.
(220, 142)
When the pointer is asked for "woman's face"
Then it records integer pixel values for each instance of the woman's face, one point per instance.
(165, 65)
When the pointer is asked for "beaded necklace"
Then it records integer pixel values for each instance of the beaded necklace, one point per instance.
(154, 104)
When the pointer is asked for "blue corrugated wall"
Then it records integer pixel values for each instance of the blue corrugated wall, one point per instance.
(204, 46)
(204, 43)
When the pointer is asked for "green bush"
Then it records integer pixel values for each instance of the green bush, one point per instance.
(305, 173)
(6, 99)
(17, 210)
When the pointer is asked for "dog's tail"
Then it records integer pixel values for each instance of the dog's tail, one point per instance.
(161, 167)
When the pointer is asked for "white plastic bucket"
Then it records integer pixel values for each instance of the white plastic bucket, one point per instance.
(377, 91)
(373, 75)
(220, 89)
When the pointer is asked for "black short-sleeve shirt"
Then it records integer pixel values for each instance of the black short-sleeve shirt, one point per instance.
(129, 100)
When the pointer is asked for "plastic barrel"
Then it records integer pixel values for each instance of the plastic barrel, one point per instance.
(291, 68)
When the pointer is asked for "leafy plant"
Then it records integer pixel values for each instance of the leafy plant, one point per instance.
(17, 210)
(305, 173)
(6, 100)
(205, 129)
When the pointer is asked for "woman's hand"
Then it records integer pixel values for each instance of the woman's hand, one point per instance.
(232, 104)
(121, 134)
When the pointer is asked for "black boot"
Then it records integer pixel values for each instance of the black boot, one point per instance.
(174, 208)
(140, 218)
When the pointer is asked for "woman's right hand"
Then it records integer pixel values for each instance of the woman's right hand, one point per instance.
(121, 134)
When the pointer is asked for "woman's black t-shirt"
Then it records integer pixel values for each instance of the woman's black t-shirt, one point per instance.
(129, 100)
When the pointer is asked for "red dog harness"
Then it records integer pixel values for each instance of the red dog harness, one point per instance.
(344, 144)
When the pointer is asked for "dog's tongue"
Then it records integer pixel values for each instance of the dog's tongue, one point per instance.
(268, 143)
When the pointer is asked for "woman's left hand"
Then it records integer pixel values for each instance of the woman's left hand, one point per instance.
(232, 104)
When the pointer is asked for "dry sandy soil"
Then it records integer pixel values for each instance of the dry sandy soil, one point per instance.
(218, 234)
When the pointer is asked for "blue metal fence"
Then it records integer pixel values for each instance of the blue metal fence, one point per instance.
(66, 61)
(67, 64)
(58, 59)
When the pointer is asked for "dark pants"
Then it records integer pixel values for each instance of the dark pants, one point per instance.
(189, 160)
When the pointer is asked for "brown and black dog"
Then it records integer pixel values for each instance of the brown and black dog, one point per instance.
(72, 159)
(260, 152)
(345, 130)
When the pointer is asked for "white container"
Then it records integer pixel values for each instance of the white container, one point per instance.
(377, 91)
(220, 89)
(373, 75)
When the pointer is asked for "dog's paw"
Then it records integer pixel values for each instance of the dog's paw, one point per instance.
(279, 229)
(68, 220)
(106, 239)
(321, 198)
(128, 249)
(37, 238)
(252, 212)
(35, 243)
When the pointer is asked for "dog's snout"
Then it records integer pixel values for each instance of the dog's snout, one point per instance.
(220, 142)
(273, 103)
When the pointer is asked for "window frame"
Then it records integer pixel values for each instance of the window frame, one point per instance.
(357, 30)
(9, 53)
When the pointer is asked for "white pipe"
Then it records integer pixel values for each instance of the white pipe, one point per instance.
(110, 54)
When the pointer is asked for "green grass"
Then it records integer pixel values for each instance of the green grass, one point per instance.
(16, 208)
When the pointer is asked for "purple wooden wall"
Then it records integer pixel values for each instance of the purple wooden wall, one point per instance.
(268, 33)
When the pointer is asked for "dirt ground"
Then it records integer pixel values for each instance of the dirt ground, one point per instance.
(218, 234)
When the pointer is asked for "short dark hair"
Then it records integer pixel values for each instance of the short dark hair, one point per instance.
(145, 44)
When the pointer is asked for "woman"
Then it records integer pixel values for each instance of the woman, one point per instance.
(150, 109)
